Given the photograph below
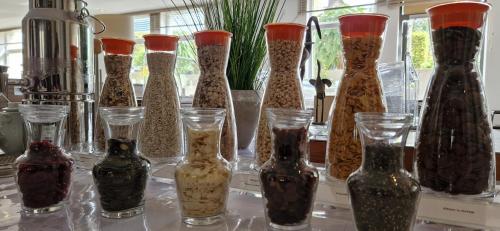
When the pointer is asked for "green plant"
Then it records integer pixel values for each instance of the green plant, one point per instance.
(246, 20)
(420, 51)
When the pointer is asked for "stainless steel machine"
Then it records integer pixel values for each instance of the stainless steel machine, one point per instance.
(58, 62)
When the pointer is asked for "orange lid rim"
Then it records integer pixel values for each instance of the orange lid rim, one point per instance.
(381, 16)
(222, 32)
(109, 39)
(430, 10)
(160, 36)
(118, 46)
(284, 24)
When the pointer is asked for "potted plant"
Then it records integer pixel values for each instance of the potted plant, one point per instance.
(246, 20)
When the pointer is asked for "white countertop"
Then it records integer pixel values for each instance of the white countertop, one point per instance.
(245, 212)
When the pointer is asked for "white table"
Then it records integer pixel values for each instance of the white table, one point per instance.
(245, 212)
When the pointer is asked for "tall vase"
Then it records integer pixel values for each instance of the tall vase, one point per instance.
(117, 90)
(212, 90)
(246, 108)
(360, 90)
(283, 88)
(454, 149)
(160, 135)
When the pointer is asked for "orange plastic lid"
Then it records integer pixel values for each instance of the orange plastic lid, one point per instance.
(361, 25)
(212, 37)
(285, 31)
(465, 14)
(158, 42)
(118, 46)
(74, 52)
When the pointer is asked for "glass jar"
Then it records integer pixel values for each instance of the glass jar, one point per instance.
(117, 90)
(454, 146)
(203, 177)
(288, 181)
(43, 172)
(160, 136)
(122, 175)
(213, 90)
(284, 88)
(359, 91)
(383, 195)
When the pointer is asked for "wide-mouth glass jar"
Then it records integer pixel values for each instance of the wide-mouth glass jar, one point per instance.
(288, 181)
(383, 195)
(121, 177)
(44, 172)
(203, 176)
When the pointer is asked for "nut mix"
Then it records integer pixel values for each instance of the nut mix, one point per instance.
(454, 148)
(213, 91)
(283, 89)
(117, 89)
(160, 135)
(359, 91)
(203, 183)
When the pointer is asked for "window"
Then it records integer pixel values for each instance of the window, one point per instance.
(139, 73)
(328, 50)
(11, 52)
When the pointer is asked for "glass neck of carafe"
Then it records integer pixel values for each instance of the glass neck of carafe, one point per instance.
(361, 52)
(289, 134)
(383, 136)
(121, 127)
(213, 59)
(202, 131)
(161, 62)
(118, 66)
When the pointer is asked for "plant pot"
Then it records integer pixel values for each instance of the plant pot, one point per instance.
(246, 108)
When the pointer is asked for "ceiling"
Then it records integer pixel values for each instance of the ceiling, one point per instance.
(12, 11)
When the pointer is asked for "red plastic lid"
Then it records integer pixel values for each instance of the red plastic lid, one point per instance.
(465, 14)
(118, 46)
(212, 37)
(285, 31)
(361, 25)
(158, 42)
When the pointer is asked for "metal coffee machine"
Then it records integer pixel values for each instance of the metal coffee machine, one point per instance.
(58, 63)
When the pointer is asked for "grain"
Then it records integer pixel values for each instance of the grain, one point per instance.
(213, 91)
(203, 183)
(283, 90)
(359, 91)
(117, 90)
(161, 132)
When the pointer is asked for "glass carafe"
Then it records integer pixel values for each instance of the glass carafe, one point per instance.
(43, 172)
(283, 89)
(213, 90)
(117, 90)
(383, 195)
(203, 176)
(360, 90)
(288, 181)
(160, 136)
(454, 148)
(122, 175)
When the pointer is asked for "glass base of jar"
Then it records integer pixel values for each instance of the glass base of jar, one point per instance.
(161, 161)
(485, 195)
(288, 227)
(201, 221)
(123, 213)
(44, 210)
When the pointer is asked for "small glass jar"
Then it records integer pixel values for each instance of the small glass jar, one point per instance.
(117, 90)
(283, 88)
(360, 90)
(454, 148)
(122, 175)
(288, 182)
(213, 90)
(44, 171)
(160, 136)
(383, 195)
(203, 177)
